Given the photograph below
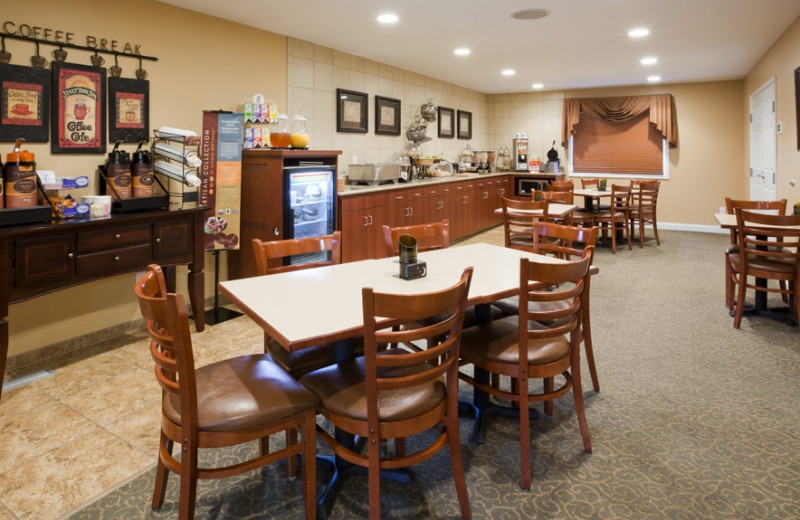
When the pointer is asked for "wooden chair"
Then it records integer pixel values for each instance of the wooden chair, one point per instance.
(435, 235)
(509, 347)
(644, 200)
(567, 243)
(773, 206)
(396, 393)
(259, 399)
(518, 221)
(759, 257)
(617, 218)
(271, 258)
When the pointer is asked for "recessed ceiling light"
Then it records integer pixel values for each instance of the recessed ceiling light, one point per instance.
(509, 72)
(638, 33)
(388, 18)
(649, 61)
(653, 79)
(530, 14)
(537, 86)
(463, 51)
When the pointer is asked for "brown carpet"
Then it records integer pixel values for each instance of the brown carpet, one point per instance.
(694, 420)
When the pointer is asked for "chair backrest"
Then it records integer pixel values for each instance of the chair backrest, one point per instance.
(518, 219)
(561, 186)
(270, 256)
(567, 242)
(170, 340)
(551, 293)
(437, 319)
(563, 197)
(590, 183)
(760, 232)
(777, 207)
(435, 235)
(645, 196)
(620, 198)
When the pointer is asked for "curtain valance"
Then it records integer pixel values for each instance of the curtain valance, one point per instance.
(618, 109)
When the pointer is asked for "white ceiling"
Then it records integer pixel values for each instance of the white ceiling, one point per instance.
(583, 43)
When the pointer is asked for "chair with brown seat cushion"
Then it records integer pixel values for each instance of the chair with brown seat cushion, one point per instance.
(567, 243)
(644, 201)
(777, 207)
(759, 257)
(275, 257)
(397, 393)
(432, 236)
(518, 348)
(227, 403)
(518, 219)
(616, 219)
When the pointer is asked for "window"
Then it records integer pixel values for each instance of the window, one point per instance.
(632, 147)
(620, 137)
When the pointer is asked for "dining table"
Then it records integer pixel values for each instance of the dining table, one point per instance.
(760, 307)
(590, 195)
(555, 210)
(308, 307)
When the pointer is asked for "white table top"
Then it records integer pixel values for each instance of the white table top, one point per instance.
(554, 209)
(312, 306)
(726, 220)
(592, 192)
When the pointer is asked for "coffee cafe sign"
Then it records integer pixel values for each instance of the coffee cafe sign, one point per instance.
(57, 36)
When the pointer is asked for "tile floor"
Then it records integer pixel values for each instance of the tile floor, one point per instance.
(92, 426)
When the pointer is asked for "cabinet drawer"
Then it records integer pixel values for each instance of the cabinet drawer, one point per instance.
(104, 239)
(115, 260)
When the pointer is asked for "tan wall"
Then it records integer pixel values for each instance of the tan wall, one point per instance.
(779, 63)
(208, 63)
(204, 63)
(706, 165)
(315, 72)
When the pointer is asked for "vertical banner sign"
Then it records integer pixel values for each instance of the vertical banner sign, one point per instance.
(221, 178)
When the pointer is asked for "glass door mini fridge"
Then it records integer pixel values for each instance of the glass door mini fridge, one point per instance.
(310, 205)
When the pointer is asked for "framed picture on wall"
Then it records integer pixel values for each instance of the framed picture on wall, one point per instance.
(351, 111)
(797, 103)
(446, 122)
(24, 103)
(464, 124)
(128, 110)
(78, 108)
(387, 116)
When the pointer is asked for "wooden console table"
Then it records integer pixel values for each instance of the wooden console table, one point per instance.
(43, 258)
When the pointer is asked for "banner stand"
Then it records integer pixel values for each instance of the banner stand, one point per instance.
(219, 314)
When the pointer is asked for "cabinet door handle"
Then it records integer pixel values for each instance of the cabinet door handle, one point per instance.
(116, 259)
(502, 191)
(410, 212)
(116, 236)
(158, 240)
(370, 220)
(276, 231)
(70, 256)
(485, 194)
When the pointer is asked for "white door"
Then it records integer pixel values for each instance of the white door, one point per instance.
(763, 143)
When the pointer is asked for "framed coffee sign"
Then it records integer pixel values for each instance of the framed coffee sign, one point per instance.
(128, 108)
(24, 103)
(78, 109)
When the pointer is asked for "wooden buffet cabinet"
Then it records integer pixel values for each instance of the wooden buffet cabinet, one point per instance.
(468, 203)
(43, 258)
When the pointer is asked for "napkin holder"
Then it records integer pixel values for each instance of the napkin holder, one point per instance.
(410, 268)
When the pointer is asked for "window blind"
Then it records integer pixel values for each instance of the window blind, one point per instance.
(634, 146)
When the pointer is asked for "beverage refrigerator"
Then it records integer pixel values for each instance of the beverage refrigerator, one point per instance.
(309, 205)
